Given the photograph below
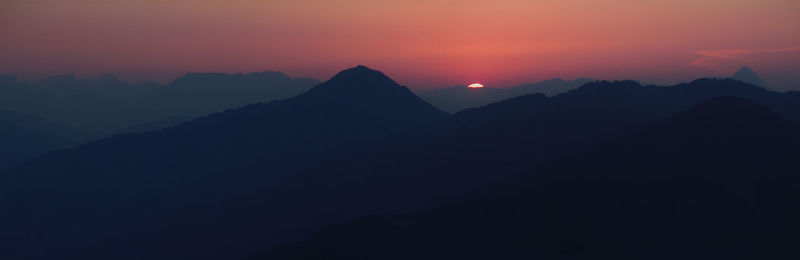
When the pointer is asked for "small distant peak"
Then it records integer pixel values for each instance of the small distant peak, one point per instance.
(745, 69)
(747, 75)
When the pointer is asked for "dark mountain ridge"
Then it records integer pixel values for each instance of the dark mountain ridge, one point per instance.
(78, 110)
(136, 181)
(715, 181)
(240, 182)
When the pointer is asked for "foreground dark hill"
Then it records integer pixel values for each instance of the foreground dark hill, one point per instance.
(240, 182)
(718, 181)
(72, 111)
(127, 184)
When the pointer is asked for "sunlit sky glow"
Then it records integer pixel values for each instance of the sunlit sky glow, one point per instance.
(421, 43)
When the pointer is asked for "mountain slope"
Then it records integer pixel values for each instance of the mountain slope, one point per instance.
(124, 187)
(18, 144)
(716, 181)
(102, 105)
(240, 182)
(478, 147)
(549, 87)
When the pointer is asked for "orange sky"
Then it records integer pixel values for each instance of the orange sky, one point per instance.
(421, 43)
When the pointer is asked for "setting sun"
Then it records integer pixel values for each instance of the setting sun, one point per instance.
(475, 85)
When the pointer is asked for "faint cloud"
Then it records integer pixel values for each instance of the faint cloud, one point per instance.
(711, 58)
(704, 62)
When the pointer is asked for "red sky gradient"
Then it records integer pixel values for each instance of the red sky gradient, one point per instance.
(423, 44)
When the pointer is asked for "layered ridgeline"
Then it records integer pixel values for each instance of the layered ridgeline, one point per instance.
(240, 182)
(62, 111)
(102, 105)
(19, 143)
(457, 98)
(719, 180)
(454, 99)
(153, 194)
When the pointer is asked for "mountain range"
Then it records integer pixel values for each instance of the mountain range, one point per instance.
(104, 104)
(454, 99)
(718, 180)
(241, 182)
(62, 111)
(458, 98)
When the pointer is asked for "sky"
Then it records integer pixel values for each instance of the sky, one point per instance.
(423, 44)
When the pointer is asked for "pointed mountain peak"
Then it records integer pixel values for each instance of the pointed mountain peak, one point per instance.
(360, 75)
(745, 69)
(363, 87)
(747, 75)
(359, 79)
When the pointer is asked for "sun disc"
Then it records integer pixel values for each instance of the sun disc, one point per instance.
(475, 85)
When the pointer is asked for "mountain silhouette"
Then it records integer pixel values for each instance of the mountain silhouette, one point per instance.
(747, 75)
(73, 111)
(458, 98)
(137, 181)
(715, 181)
(199, 94)
(240, 182)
